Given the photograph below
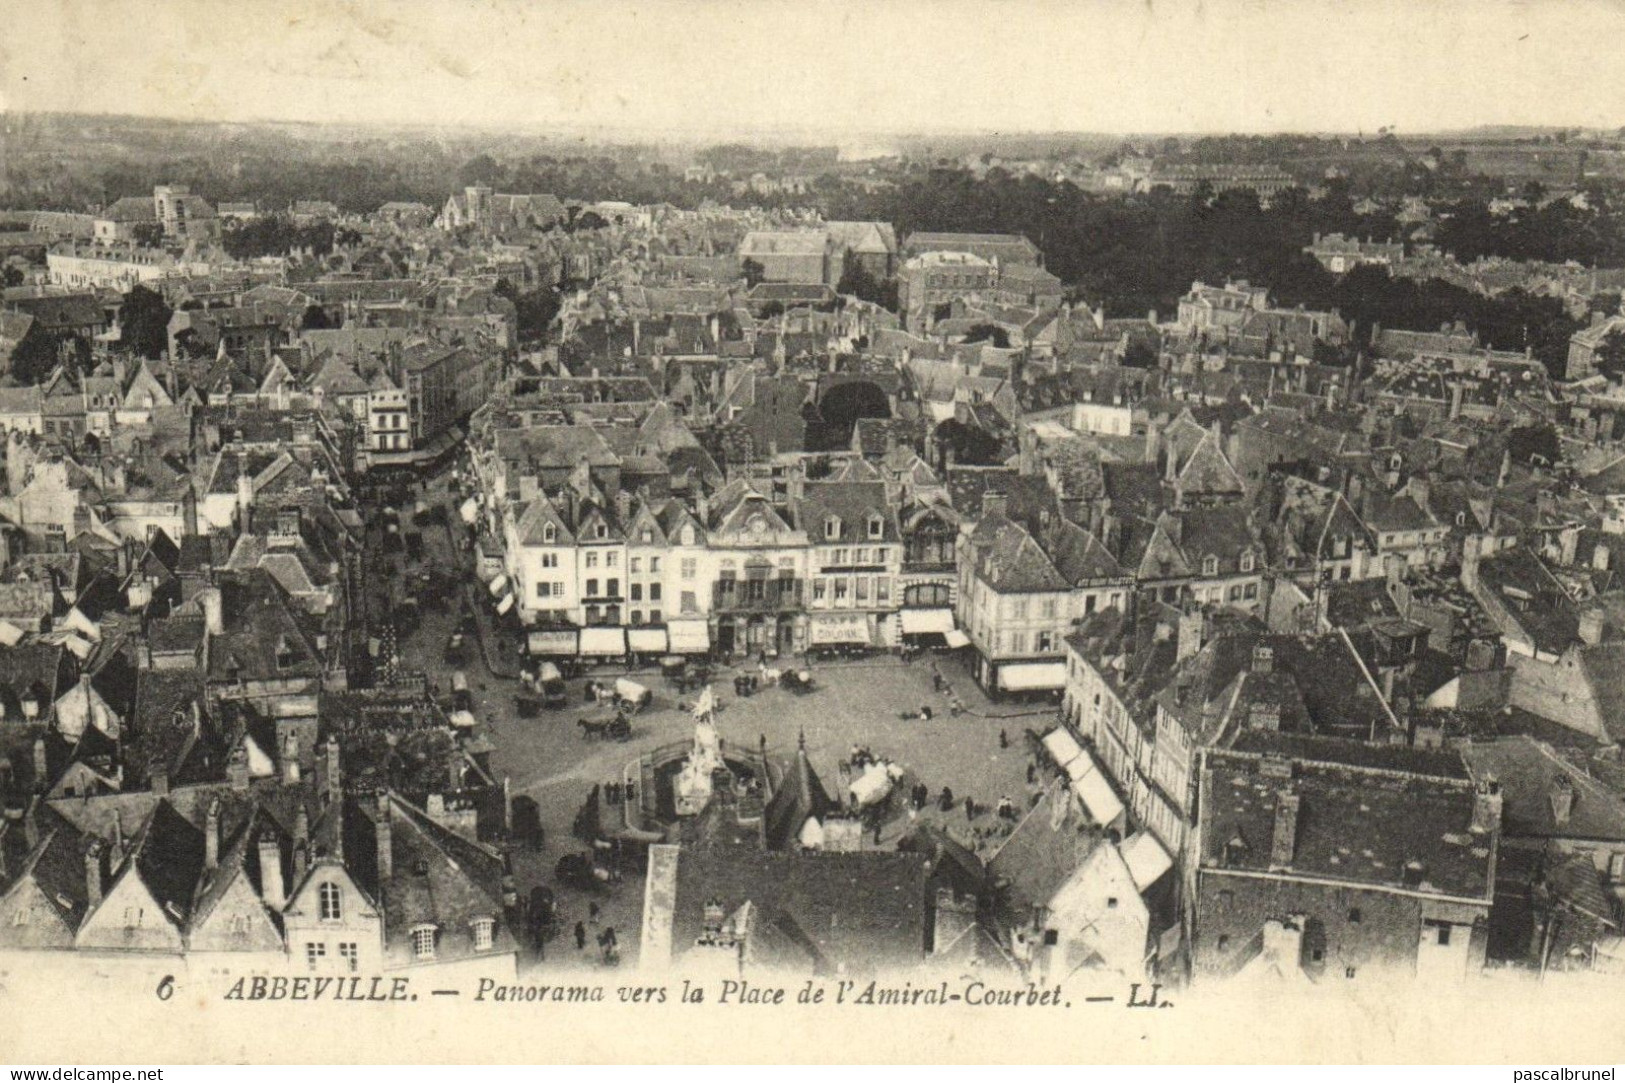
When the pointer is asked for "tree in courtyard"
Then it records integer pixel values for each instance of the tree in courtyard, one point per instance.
(1610, 356)
(144, 320)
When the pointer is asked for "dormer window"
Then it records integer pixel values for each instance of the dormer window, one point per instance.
(1247, 561)
(331, 901)
(832, 528)
(484, 933)
(1210, 565)
(286, 657)
(423, 942)
(600, 531)
(550, 533)
(877, 526)
(648, 536)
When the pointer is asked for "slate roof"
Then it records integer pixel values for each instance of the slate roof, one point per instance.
(1010, 561)
(1527, 771)
(1354, 825)
(169, 859)
(852, 503)
(1043, 852)
(801, 795)
(437, 877)
(857, 912)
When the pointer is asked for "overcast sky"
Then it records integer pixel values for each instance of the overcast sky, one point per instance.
(705, 67)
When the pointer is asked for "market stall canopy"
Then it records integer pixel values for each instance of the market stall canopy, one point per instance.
(463, 720)
(498, 585)
(956, 638)
(470, 511)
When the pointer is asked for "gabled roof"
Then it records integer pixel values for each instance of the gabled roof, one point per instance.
(1041, 854)
(851, 506)
(1010, 561)
(437, 878)
(1078, 555)
(800, 797)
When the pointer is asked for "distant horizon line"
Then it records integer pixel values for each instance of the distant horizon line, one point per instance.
(612, 133)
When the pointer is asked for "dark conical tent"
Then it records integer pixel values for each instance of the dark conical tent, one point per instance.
(800, 797)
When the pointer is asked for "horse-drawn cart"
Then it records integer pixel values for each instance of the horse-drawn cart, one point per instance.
(616, 728)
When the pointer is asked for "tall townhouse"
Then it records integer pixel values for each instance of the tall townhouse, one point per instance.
(854, 559)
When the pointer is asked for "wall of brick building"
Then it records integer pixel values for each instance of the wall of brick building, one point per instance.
(1385, 939)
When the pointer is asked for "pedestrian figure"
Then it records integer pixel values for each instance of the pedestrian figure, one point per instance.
(581, 937)
(631, 792)
(946, 800)
(877, 830)
(1004, 739)
(970, 810)
(1032, 773)
(592, 912)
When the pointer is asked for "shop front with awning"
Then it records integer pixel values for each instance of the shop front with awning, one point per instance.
(603, 642)
(1098, 797)
(926, 627)
(1032, 677)
(646, 640)
(551, 642)
(955, 639)
(689, 636)
(1062, 747)
(839, 630)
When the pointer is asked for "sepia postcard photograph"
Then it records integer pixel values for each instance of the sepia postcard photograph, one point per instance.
(823, 532)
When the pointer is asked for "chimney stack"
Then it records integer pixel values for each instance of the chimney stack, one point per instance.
(211, 835)
(271, 871)
(1191, 628)
(332, 780)
(301, 844)
(93, 874)
(1471, 547)
(1592, 624)
(213, 610)
(385, 845)
(1487, 808)
(1284, 840)
(158, 778)
(1562, 798)
(42, 770)
(290, 758)
(236, 769)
